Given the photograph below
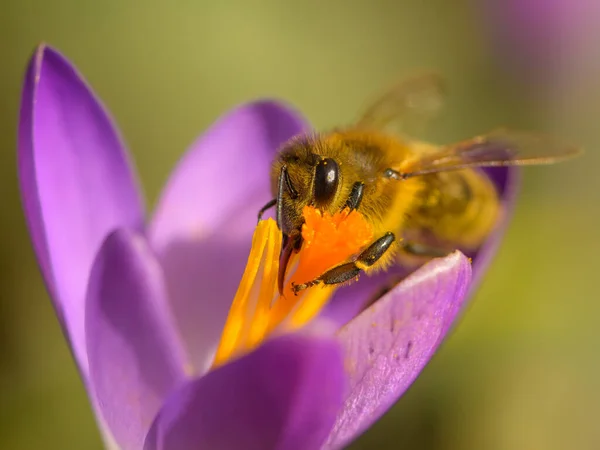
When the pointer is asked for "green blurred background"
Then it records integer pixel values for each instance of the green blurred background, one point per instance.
(520, 372)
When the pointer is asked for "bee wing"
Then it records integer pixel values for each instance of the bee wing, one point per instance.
(499, 148)
(407, 105)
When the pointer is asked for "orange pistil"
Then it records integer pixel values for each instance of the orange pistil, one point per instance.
(258, 310)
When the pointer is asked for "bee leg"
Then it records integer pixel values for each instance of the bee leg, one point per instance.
(356, 195)
(346, 271)
(417, 249)
(267, 206)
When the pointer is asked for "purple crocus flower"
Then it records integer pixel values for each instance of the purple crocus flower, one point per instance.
(142, 302)
(552, 41)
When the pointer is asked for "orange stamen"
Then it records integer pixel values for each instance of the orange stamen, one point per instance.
(258, 310)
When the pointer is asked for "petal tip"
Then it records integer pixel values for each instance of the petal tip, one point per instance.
(461, 261)
(43, 54)
(38, 54)
(277, 110)
(455, 266)
(118, 241)
(126, 244)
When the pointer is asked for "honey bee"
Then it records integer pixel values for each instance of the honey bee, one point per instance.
(422, 200)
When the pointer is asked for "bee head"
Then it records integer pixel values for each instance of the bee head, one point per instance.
(300, 178)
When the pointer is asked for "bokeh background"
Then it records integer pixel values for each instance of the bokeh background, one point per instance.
(522, 370)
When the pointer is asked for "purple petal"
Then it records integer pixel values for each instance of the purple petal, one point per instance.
(283, 396)
(76, 183)
(348, 302)
(203, 225)
(543, 40)
(135, 357)
(388, 345)
(530, 32)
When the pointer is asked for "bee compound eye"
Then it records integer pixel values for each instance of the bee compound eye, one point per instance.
(327, 178)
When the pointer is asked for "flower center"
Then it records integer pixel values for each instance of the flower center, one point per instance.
(258, 310)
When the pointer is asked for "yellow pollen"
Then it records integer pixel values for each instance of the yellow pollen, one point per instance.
(258, 310)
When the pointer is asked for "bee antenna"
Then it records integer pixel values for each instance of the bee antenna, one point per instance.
(283, 183)
(280, 188)
(288, 184)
